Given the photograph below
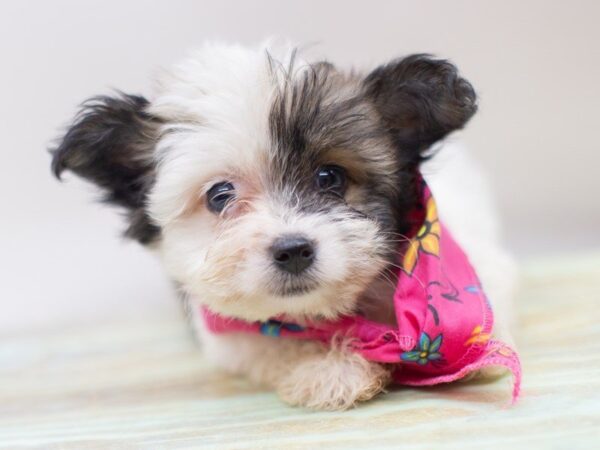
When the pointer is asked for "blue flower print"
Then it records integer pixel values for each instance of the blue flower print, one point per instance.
(273, 327)
(426, 351)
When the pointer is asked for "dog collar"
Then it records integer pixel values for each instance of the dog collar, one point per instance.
(444, 320)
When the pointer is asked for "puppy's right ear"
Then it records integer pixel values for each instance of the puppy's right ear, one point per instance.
(420, 100)
(111, 143)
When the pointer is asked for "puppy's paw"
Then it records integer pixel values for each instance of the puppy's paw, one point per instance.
(333, 381)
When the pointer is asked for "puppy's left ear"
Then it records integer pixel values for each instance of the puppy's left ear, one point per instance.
(420, 100)
(111, 144)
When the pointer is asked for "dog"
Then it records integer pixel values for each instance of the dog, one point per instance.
(274, 186)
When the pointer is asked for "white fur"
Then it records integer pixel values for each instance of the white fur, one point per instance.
(218, 104)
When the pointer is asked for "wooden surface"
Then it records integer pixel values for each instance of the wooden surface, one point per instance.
(145, 385)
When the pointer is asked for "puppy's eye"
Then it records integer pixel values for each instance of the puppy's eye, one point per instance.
(219, 195)
(332, 178)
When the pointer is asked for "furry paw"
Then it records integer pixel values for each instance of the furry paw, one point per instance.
(334, 381)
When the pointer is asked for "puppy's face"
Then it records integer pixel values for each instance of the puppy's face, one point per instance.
(270, 186)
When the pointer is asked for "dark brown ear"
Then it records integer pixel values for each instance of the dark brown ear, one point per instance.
(420, 100)
(110, 143)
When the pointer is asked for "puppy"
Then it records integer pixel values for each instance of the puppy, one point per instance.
(270, 186)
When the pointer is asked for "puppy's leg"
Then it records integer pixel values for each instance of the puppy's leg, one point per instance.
(333, 379)
(305, 373)
(264, 360)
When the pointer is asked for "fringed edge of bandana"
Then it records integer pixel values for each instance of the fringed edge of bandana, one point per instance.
(496, 353)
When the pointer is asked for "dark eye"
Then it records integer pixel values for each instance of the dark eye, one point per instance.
(219, 195)
(332, 178)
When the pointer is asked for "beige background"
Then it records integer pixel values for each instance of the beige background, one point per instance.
(536, 65)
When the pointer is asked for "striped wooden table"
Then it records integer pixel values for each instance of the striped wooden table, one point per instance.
(144, 385)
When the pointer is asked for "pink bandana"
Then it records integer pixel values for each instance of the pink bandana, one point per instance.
(444, 319)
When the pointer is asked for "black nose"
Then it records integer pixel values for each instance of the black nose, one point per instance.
(294, 254)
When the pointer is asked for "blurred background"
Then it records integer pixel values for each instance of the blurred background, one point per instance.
(535, 64)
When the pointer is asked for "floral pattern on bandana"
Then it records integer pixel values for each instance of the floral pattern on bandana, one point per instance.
(478, 336)
(273, 328)
(427, 239)
(426, 351)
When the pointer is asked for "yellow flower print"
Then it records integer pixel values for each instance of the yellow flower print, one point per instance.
(477, 337)
(498, 348)
(427, 239)
(505, 351)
